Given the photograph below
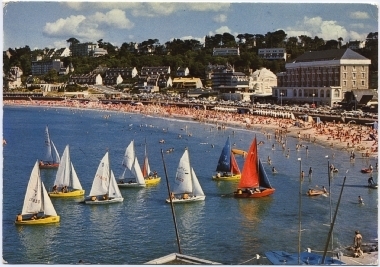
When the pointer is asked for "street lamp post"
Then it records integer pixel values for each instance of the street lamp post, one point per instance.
(299, 214)
(281, 94)
(356, 100)
(313, 97)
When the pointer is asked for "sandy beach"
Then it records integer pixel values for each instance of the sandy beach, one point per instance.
(355, 140)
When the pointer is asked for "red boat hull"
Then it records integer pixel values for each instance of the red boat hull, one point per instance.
(264, 192)
(365, 170)
(49, 166)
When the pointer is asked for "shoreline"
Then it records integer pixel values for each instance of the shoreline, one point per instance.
(351, 138)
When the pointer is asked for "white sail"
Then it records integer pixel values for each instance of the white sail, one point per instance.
(101, 181)
(48, 154)
(183, 176)
(48, 207)
(114, 191)
(62, 177)
(51, 153)
(33, 197)
(129, 156)
(137, 173)
(146, 162)
(197, 189)
(66, 175)
(74, 178)
(36, 198)
(55, 154)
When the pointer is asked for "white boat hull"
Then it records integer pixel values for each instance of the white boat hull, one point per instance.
(130, 185)
(190, 199)
(101, 202)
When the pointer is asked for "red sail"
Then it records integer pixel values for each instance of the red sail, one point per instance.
(250, 175)
(145, 168)
(234, 166)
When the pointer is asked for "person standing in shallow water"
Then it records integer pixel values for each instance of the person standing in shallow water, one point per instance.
(358, 243)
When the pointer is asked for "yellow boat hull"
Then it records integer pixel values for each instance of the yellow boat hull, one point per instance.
(152, 181)
(75, 193)
(45, 220)
(227, 178)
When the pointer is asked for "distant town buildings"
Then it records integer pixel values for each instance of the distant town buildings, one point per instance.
(187, 83)
(83, 49)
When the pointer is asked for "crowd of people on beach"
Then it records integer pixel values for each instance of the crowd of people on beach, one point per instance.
(351, 137)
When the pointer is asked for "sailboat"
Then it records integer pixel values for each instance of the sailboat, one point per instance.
(51, 159)
(150, 178)
(104, 188)
(227, 165)
(66, 182)
(132, 167)
(37, 208)
(187, 187)
(254, 181)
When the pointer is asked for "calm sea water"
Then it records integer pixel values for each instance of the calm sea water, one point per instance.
(221, 228)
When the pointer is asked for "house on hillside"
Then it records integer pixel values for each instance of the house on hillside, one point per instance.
(182, 72)
(90, 79)
(14, 78)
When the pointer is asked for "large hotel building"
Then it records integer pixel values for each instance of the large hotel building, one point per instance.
(322, 77)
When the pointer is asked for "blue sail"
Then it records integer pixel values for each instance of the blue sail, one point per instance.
(224, 163)
(263, 178)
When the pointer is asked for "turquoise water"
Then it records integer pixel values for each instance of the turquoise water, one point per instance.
(221, 228)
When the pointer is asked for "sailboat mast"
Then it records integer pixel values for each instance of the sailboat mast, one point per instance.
(329, 177)
(109, 172)
(299, 214)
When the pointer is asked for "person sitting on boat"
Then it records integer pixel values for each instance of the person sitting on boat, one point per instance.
(185, 196)
(34, 217)
(250, 191)
(370, 168)
(41, 162)
(121, 182)
(257, 190)
(310, 191)
(324, 189)
(105, 197)
(218, 175)
(64, 189)
(55, 187)
(370, 181)
(93, 198)
(172, 196)
(154, 173)
(19, 217)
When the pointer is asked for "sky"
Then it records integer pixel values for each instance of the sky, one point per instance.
(49, 24)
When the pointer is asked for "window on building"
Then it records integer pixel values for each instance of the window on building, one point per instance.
(353, 68)
(363, 83)
(344, 67)
(353, 83)
(336, 93)
(363, 75)
(300, 93)
(344, 83)
(295, 92)
(353, 75)
(328, 93)
(322, 93)
(344, 75)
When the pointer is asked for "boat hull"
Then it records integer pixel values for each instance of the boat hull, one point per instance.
(315, 193)
(103, 202)
(227, 178)
(74, 193)
(365, 170)
(263, 193)
(373, 186)
(126, 185)
(152, 180)
(45, 220)
(306, 258)
(187, 200)
(49, 166)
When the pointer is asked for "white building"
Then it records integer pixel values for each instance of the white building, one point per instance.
(262, 81)
(272, 53)
(226, 51)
